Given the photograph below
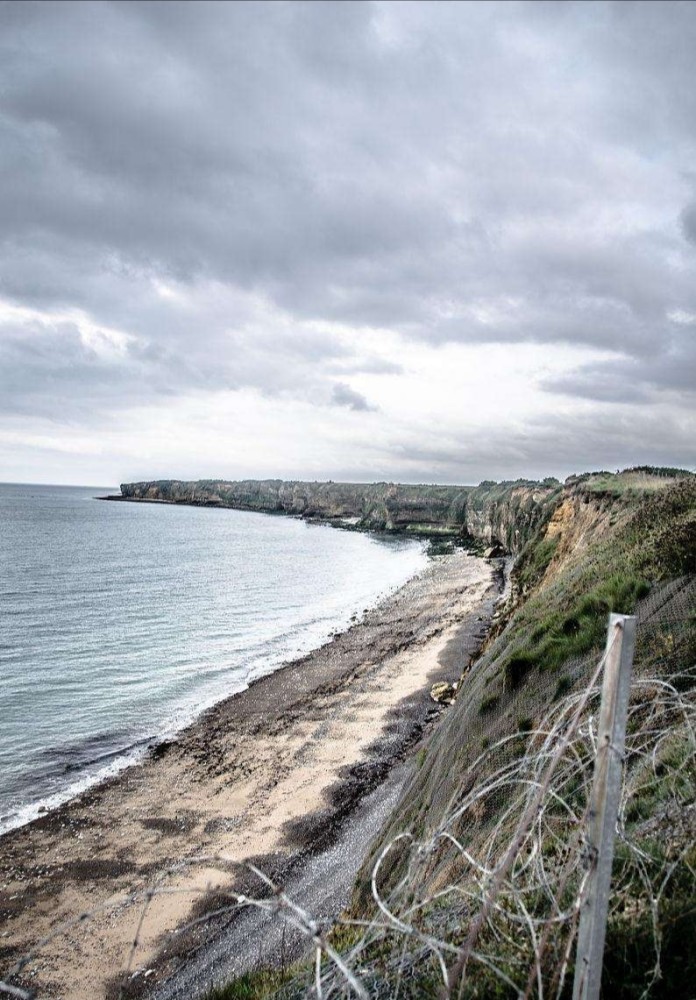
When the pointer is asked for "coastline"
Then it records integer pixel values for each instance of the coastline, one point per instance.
(345, 522)
(270, 773)
(157, 660)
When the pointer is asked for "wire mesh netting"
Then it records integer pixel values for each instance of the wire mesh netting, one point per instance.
(479, 893)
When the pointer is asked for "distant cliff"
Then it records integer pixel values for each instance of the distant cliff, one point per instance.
(496, 514)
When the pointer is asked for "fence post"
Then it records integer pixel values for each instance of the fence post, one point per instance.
(604, 805)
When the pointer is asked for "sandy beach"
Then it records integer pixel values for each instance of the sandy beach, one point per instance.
(269, 774)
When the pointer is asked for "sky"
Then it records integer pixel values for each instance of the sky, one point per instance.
(419, 242)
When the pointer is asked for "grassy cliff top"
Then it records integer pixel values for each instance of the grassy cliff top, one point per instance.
(636, 480)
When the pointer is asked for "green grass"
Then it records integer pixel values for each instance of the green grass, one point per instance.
(440, 547)
(252, 985)
(564, 686)
(534, 562)
(630, 482)
(630, 948)
(672, 777)
(561, 635)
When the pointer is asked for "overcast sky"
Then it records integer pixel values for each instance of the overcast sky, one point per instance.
(425, 242)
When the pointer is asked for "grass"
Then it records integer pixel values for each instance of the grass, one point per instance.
(534, 562)
(634, 481)
(437, 547)
(671, 778)
(629, 953)
(561, 635)
(563, 687)
(254, 985)
(488, 704)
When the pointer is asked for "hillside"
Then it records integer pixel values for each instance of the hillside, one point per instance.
(600, 543)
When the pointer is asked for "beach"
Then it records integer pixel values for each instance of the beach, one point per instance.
(271, 774)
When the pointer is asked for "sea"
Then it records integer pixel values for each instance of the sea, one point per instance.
(121, 622)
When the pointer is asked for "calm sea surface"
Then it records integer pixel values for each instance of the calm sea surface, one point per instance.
(119, 622)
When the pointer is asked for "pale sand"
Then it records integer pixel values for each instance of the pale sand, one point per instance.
(232, 784)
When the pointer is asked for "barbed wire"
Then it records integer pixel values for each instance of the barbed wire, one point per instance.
(494, 891)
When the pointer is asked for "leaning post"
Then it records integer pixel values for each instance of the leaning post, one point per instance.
(604, 805)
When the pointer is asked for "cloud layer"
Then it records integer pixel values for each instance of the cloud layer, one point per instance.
(282, 202)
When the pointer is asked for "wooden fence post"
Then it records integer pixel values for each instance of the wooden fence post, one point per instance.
(604, 805)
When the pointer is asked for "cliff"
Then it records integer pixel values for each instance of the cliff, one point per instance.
(499, 515)
(376, 506)
(609, 543)
(599, 543)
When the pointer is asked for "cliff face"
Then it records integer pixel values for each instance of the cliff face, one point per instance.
(503, 514)
(510, 513)
(385, 506)
(543, 522)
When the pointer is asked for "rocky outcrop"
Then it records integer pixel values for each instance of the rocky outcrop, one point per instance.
(443, 693)
(506, 515)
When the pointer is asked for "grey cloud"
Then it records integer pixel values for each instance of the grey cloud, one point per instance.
(51, 372)
(665, 366)
(343, 395)
(496, 173)
(366, 366)
(688, 219)
(610, 437)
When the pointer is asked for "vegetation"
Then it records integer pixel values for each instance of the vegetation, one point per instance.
(534, 561)
(629, 546)
(254, 985)
(623, 539)
(489, 703)
(628, 972)
(438, 547)
(633, 481)
(569, 632)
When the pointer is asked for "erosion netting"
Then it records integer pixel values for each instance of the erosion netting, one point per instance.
(437, 872)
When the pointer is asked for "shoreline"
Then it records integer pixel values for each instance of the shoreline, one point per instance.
(269, 773)
(122, 750)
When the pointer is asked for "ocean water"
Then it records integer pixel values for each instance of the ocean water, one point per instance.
(120, 622)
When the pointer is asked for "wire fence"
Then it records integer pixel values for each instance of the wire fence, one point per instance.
(486, 901)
